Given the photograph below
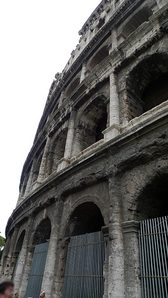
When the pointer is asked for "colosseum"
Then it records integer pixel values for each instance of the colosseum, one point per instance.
(91, 219)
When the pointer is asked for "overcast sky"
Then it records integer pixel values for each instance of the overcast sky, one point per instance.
(36, 39)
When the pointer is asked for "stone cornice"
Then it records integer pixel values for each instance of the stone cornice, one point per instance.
(121, 61)
(124, 10)
(106, 150)
(93, 16)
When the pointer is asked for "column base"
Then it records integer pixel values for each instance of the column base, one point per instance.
(111, 132)
(62, 164)
(130, 226)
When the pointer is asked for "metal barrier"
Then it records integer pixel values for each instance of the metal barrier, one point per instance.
(153, 242)
(84, 267)
(37, 271)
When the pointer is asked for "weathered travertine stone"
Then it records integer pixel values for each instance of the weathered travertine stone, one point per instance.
(100, 154)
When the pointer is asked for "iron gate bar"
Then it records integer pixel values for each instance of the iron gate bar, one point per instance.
(87, 244)
(155, 261)
(83, 275)
(37, 270)
(153, 242)
(163, 259)
(84, 267)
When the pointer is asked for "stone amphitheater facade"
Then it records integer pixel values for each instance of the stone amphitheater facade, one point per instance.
(99, 161)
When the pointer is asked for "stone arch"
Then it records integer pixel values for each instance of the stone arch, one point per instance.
(19, 241)
(90, 124)
(152, 201)
(142, 91)
(136, 20)
(37, 256)
(136, 190)
(85, 218)
(90, 199)
(135, 182)
(72, 86)
(56, 150)
(17, 250)
(42, 232)
(36, 163)
(98, 57)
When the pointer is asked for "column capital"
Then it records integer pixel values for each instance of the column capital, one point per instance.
(131, 226)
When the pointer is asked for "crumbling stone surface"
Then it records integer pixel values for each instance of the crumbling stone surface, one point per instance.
(100, 154)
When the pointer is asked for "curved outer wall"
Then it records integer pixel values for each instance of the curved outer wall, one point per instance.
(99, 140)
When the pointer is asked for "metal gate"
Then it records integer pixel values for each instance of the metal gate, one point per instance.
(153, 239)
(37, 271)
(84, 267)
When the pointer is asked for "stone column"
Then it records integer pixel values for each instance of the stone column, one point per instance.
(48, 278)
(42, 170)
(70, 136)
(8, 259)
(28, 260)
(116, 253)
(114, 102)
(51, 267)
(132, 266)
(114, 42)
(83, 72)
(29, 181)
(21, 261)
(114, 128)
(61, 99)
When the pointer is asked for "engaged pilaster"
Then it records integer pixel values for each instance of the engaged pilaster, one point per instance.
(29, 181)
(131, 259)
(21, 261)
(114, 128)
(70, 136)
(83, 72)
(116, 254)
(42, 170)
(51, 266)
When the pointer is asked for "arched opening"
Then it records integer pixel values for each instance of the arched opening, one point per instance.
(71, 87)
(85, 254)
(153, 201)
(98, 57)
(101, 23)
(156, 92)
(136, 20)
(17, 251)
(153, 237)
(40, 250)
(37, 163)
(90, 126)
(56, 153)
(25, 181)
(146, 91)
(42, 233)
(86, 218)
